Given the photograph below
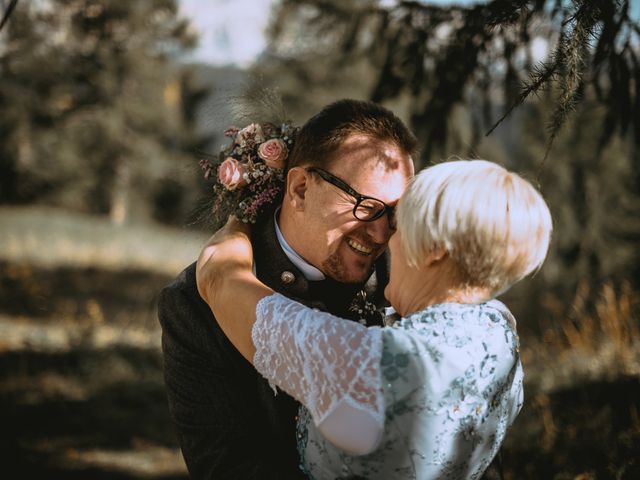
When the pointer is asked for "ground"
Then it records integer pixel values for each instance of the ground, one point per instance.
(82, 396)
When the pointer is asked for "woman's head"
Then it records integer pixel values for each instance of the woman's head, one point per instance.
(493, 225)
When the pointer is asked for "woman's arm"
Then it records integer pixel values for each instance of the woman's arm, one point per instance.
(330, 365)
(225, 280)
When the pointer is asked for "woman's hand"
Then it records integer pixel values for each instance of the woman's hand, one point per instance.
(226, 253)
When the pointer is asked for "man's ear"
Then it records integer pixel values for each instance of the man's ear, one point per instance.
(296, 187)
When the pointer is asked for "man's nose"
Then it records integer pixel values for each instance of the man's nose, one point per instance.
(379, 230)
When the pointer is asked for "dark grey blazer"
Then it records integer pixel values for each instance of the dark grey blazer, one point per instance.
(230, 424)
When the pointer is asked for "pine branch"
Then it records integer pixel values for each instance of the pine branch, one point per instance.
(504, 12)
(574, 53)
(538, 78)
(7, 13)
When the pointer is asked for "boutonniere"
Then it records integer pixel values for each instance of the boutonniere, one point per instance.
(366, 311)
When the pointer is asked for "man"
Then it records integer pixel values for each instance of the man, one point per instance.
(230, 424)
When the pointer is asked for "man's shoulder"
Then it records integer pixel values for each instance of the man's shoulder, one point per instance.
(184, 283)
(182, 293)
(185, 317)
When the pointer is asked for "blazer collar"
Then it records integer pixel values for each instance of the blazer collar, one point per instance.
(278, 272)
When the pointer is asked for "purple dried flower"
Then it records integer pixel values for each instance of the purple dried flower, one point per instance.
(206, 168)
(231, 132)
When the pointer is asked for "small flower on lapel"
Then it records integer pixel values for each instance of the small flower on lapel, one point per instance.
(367, 313)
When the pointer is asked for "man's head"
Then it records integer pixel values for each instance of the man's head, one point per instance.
(349, 151)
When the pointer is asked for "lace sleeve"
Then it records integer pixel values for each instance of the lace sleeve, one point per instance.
(319, 359)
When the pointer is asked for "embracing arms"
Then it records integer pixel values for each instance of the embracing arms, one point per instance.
(224, 275)
(216, 399)
(330, 365)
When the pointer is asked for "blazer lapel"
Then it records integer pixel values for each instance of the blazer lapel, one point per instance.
(275, 269)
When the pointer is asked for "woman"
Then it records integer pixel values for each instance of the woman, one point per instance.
(433, 395)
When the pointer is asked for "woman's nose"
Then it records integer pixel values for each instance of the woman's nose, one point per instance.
(379, 230)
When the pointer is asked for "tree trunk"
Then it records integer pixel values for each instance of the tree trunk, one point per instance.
(23, 144)
(120, 196)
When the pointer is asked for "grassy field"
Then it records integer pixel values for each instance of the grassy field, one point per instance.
(53, 238)
(81, 391)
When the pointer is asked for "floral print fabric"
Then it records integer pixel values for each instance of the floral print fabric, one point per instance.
(450, 383)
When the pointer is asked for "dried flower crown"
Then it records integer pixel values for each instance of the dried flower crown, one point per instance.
(249, 173)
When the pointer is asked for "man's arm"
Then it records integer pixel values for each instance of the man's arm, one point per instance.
(213, 411)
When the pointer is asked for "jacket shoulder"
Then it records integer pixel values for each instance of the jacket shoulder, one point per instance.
(184, 283)
(182, 312)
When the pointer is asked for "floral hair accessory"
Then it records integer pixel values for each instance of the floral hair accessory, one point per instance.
(249, 173)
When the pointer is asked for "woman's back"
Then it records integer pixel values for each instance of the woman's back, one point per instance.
(451, 383)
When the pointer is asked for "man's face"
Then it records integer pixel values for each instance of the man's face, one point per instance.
(337, 243)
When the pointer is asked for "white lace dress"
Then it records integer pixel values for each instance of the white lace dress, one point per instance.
(429, 398)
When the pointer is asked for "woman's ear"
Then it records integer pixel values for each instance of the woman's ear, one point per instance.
(296, 187)
(436, 255)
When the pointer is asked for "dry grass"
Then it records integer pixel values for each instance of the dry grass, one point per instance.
(582, 386)
(81, 390)
(594, 344)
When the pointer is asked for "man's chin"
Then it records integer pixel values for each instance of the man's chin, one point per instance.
(348, 267)
(343, 274)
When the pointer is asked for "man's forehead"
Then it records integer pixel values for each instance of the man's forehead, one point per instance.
(365, 155)
(374, 173)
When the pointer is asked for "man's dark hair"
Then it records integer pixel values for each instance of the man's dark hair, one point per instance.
(323, 134)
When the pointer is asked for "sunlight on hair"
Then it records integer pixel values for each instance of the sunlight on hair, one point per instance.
(495, 225)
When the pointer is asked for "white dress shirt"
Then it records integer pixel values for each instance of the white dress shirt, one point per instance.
(309, 271)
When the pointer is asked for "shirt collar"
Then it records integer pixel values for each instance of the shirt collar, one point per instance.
(309, 271)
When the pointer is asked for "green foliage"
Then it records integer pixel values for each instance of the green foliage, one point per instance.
(593, 197)
(93, 113)
(442, 56)
(452, 70)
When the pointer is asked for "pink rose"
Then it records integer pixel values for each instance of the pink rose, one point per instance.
(274, 152)
(231, 174)
(250, 135)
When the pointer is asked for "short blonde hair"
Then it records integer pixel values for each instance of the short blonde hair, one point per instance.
(494, 225)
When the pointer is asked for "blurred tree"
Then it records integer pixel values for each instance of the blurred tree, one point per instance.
(94, 114)
(437, 57)
(593, 197)
(455, 71)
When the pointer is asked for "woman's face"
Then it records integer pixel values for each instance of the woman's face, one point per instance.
(411, 288)
(400, 274)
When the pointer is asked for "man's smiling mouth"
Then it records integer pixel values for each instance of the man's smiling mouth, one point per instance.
(358, 247)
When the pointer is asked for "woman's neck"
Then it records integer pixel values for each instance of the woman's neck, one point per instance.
(437, 285)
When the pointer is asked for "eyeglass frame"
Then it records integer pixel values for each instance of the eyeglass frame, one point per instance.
(345, 187)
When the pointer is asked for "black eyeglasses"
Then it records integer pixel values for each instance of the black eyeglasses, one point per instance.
(366, 209)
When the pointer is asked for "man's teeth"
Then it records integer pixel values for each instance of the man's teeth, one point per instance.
(359, 247)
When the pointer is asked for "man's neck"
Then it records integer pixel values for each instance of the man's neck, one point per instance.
(308, 270)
